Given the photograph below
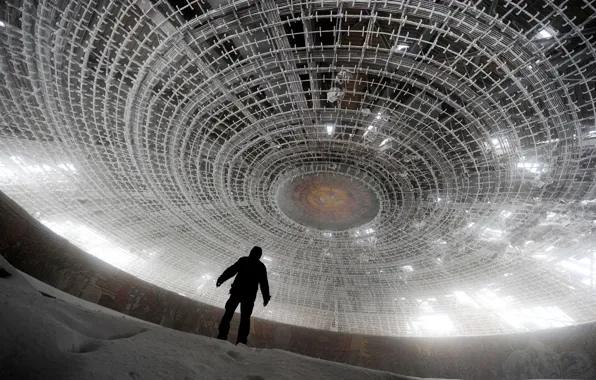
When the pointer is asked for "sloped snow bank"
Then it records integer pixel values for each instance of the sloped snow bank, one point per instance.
(49, 338)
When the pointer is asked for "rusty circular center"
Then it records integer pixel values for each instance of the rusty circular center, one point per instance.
(328, 201)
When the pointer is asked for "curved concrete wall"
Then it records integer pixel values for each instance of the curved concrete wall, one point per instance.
(561, 353)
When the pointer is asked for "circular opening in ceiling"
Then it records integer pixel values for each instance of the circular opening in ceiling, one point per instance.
(326, 201)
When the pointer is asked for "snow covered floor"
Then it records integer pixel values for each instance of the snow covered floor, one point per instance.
(47, 338)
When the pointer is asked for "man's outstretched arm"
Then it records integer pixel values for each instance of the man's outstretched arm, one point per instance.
(228, 273)
(264, 285)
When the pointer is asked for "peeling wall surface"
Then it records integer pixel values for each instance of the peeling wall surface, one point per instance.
(568, 352)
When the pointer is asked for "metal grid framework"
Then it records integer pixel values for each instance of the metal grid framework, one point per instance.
(157, 135)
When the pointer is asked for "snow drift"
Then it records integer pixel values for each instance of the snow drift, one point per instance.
(45, 337)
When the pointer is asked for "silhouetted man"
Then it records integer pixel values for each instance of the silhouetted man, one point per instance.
(250, 272)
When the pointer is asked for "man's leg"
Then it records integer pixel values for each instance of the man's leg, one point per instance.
(224, 325)
(245, 312)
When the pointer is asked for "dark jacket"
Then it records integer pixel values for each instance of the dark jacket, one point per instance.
(250, 272)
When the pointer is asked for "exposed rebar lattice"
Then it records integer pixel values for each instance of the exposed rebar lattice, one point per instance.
(451, 143)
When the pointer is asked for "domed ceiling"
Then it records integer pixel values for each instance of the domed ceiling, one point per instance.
(409, 167)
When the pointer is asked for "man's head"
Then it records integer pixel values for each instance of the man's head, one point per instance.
(256, 252)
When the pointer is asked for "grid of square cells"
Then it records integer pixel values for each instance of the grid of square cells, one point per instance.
(159, 136)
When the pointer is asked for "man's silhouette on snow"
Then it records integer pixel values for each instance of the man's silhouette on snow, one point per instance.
(250, 272)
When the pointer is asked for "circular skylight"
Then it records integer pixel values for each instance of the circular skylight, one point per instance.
(409, 167)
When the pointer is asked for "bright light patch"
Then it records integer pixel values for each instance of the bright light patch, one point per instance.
(532, 167)
(330, 129)
(30, 168)
(492, 234)
(68, 167)
(5, 172)
(465, 299)
(536, 318)
(576, 266)
(499, 144)
(91, 242)
(506, 214)
(489, 299)
(425, 307)
(17, 160)
(407, 268)
(544, 34)
(401, 47)
(438, 324)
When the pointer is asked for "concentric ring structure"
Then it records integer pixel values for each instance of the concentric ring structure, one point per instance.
(161, 135)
